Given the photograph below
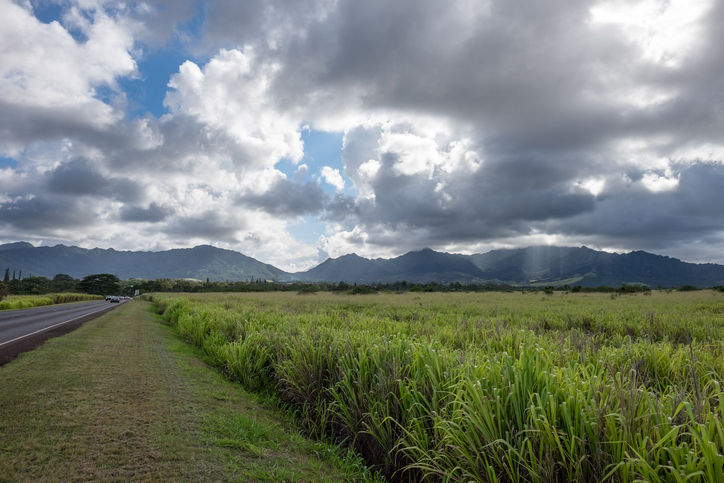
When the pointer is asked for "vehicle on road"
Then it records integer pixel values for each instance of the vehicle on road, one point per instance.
(115, 300)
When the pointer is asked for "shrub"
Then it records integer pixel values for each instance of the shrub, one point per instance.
(688, 288)
(362, 290)
(308, 290)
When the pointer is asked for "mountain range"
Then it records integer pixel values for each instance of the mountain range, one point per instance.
(532, 266)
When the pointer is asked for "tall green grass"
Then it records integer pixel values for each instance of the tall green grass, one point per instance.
(15, 302)
(486, 387)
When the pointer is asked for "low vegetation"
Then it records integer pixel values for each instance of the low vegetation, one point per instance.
(124, 399)
(506, 387)
(14, 302)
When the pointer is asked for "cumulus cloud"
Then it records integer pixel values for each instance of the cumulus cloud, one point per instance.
(332, 177)
(231, 94)
(285, 197)
(153, 214)
(50, 84)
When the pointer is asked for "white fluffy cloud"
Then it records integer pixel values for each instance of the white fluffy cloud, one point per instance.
(50, 84)
(231, 94)
(331, 176)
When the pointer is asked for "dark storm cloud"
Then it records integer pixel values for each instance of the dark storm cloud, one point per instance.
(21, 125)
(233, 23)
(42, 214)
(79, 177)
(695, 115)
(165, 19)
(285, 197)
(341, 207)
(469, 211)
(185, 145)
(636, 217)
(521, 70)
(153, 214)
(502, 198)
(528, 74)
(76, 178)
(209, 225)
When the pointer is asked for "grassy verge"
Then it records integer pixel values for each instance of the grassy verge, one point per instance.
(123, 399)
(15, 302)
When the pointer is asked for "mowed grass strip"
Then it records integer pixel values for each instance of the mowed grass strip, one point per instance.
(122, 399)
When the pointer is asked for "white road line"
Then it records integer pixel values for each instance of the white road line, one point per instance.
(50, 327)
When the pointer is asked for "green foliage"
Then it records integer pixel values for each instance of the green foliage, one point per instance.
(633, 289)
(688, 288)
(41, 285)
(485, 387)
(100, 284)
(308, 290)
(4, 291)
(362, 290)
(14, 302)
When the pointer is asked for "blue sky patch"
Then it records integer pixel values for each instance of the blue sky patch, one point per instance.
(321, 149)
(8, 163)
(47, 12)
(307, 230)
(146, 93)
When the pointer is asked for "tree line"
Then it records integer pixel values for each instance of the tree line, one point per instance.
(109, 284)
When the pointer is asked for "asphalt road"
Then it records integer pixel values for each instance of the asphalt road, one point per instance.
(18, 325)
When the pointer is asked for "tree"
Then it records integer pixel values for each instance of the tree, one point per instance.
(4, 290)
(7, 275)
(164, 284)
(63, 283)
(100, 284)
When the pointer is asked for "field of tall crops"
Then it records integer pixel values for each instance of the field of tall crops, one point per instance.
(15, 302)
(507, 387)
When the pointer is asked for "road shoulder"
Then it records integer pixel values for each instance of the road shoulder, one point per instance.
(26, 344)
(122, 399)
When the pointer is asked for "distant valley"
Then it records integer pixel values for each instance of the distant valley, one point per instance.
(532, 266)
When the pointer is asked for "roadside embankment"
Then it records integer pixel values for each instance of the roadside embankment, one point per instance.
(122, 399)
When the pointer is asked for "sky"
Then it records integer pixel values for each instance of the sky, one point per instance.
(294, 131)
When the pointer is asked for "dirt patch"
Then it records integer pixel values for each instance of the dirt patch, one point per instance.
(12, 351)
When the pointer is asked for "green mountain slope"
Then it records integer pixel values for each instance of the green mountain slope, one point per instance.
(521, 267)
(200, 262)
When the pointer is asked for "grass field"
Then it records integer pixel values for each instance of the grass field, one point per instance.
(124, 399)
(485, 387)
(15, 302)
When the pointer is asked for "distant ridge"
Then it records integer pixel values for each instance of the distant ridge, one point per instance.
(200, 262)
(351, 268)
(532, 266)
(15, 246)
